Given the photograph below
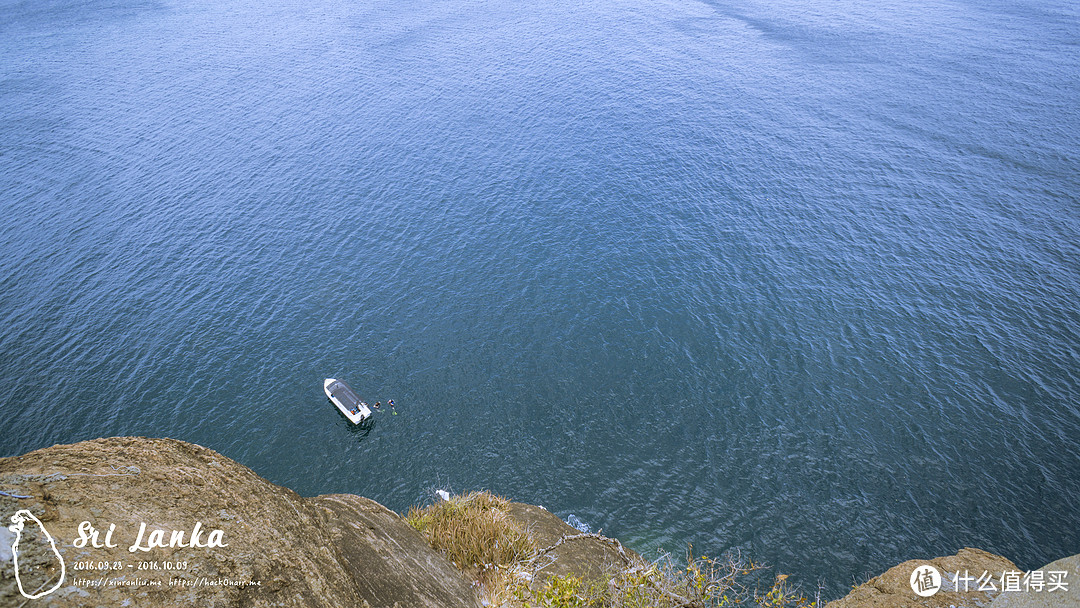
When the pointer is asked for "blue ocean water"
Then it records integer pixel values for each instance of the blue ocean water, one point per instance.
(798, 279)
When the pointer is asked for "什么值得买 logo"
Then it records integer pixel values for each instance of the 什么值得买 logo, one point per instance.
(925, 580)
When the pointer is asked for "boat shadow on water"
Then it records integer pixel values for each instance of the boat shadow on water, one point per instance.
(360, 430)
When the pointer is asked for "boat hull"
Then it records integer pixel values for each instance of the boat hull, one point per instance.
(346, 400)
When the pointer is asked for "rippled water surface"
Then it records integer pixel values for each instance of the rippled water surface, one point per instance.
(795, 278)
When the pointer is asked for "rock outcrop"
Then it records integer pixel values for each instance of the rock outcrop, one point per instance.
(273, 547)
(1067, 595)
(565, 551)
(160, 522)
(893, 588)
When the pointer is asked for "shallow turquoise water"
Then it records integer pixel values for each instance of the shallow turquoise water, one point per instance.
(799, 280)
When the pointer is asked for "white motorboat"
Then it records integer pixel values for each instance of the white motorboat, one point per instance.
(346, 400)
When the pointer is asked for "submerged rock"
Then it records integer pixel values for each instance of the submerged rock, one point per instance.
(275, 548)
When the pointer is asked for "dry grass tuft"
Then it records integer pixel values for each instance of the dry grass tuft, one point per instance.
(474, 531)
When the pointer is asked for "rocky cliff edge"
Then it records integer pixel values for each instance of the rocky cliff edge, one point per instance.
(230, 537)
(143, 522)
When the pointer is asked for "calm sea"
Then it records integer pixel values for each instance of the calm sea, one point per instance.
(796, 278)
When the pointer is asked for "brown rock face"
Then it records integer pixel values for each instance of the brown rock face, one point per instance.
(893, 588)
(1061, 589)
(570, 553)
(190, 527)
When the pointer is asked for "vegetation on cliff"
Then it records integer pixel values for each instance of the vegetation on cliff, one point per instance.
(478, 533)
(280, 550)
(474, 531)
